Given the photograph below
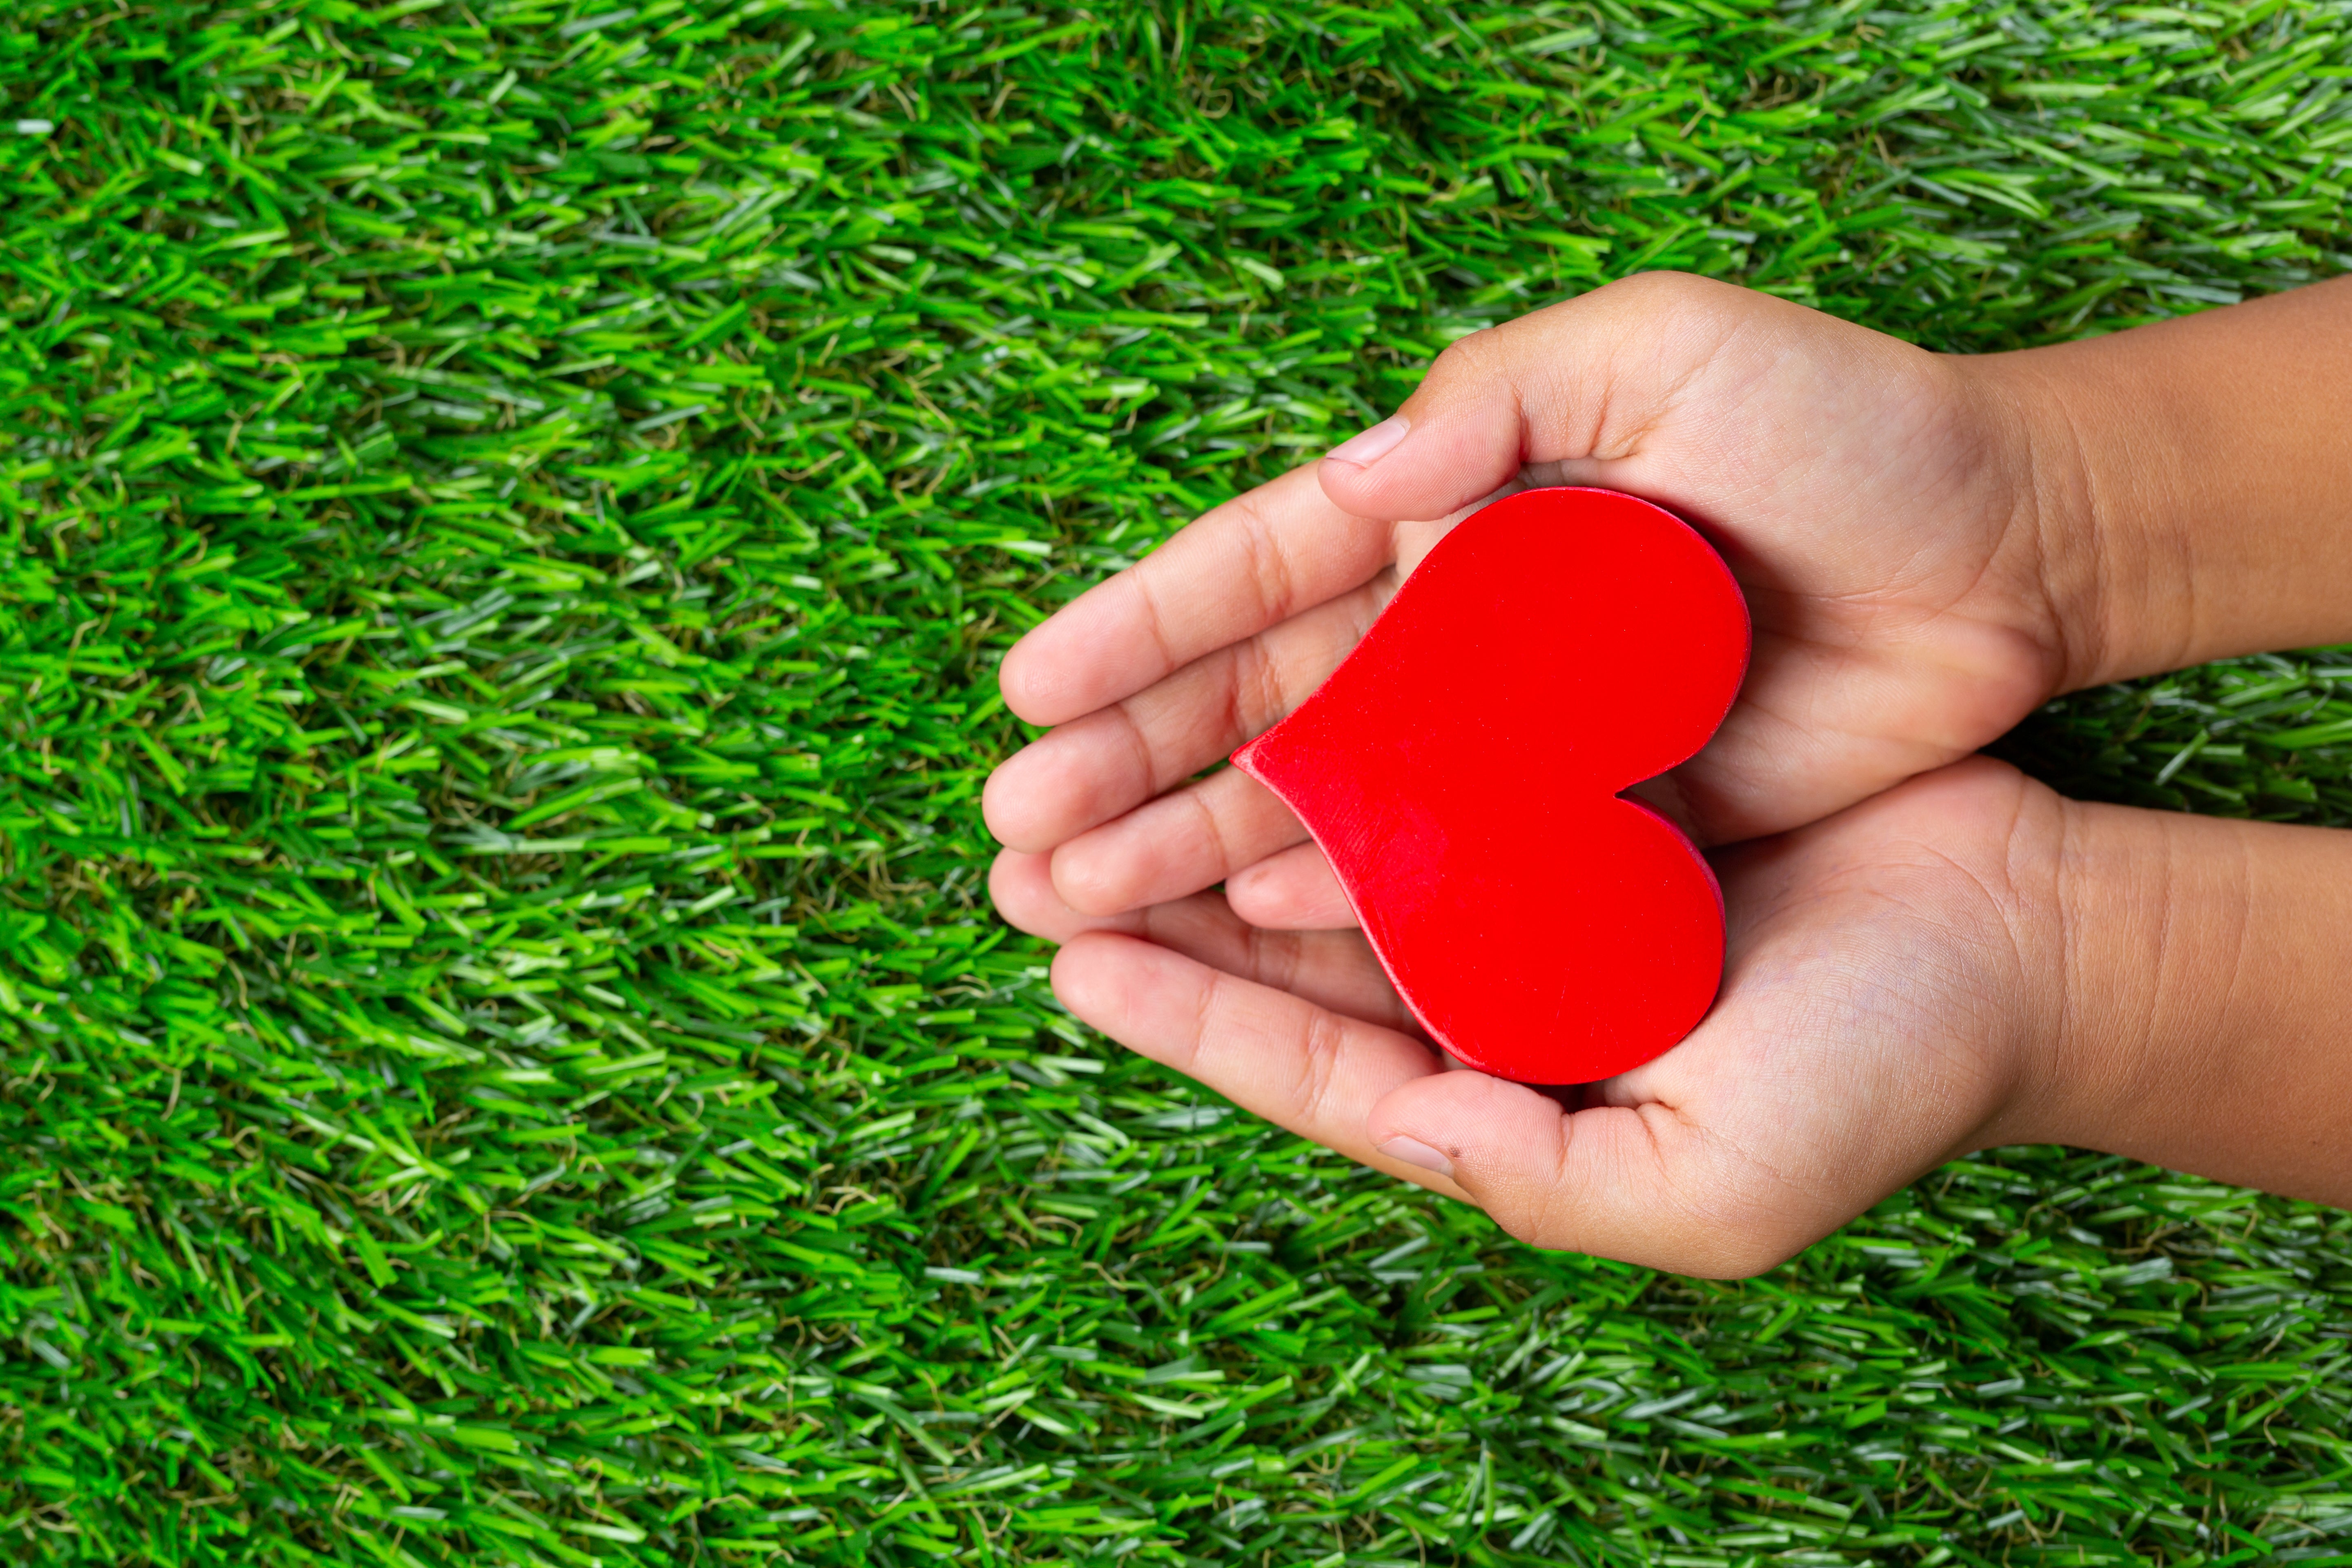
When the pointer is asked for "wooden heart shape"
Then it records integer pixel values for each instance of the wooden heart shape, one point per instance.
(1461, 771)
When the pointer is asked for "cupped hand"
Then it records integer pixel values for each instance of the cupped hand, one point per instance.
(1885, 510)
(1893, 984)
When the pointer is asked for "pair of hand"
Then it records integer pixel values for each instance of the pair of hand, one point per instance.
(1913, 538)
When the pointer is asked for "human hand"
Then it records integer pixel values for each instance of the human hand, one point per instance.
(2133, 503)
(1893, 985)
(1880, 505)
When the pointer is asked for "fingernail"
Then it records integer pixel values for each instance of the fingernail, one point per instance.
(1413, 1152)
(1372, 446)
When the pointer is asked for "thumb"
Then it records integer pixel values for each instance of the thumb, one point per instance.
(1638, 1183)
(1585, 379)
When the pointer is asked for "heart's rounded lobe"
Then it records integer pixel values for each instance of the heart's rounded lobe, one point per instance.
(1461, 770)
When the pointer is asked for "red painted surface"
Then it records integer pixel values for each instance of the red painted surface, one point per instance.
(1461, 769)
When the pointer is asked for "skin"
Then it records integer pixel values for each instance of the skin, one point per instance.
(1931, 546)
(1963, 961)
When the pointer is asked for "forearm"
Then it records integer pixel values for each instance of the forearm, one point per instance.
(2192, 481)
(2205, 1012)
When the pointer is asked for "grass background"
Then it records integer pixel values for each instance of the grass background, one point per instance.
(512, 509)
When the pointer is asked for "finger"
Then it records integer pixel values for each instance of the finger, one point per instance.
(1252, 563)
(1581, 380)
(1298, 1066)
(1186, 840)
(1329, 969)
(1295, 891)
(1638, 1183)
(1093, 768)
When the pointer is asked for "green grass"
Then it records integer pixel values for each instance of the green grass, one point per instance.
(510, 513)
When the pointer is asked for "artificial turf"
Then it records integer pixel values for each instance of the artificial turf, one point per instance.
(512, 509)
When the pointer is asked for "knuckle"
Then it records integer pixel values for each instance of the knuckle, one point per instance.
(1212, 832)
(1089, 886)
(1210, 1003)
(1318, 1064)
(1258, 695)
(1244, 687)
(1365, 605)
(1270, 566)
(1274, 958)
(1135, 744)
(1154, 619)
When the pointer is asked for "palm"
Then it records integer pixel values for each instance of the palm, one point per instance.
(1889, 559)
(1854, 483)
(1875, 1019)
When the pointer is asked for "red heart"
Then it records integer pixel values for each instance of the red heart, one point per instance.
(1461, 772)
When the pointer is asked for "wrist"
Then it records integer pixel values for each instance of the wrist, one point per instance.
(2103, 1018)
(2110, 608)
(2057, 1065)
(2187, 484)
(2202, 989)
